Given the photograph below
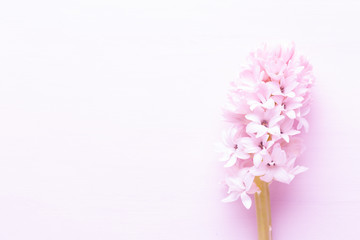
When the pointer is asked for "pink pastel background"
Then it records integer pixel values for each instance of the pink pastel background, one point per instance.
(110, 111)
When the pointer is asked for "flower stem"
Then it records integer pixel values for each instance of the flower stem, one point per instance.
(263, 213)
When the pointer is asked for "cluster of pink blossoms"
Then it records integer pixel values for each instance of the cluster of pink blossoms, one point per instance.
(266, 108)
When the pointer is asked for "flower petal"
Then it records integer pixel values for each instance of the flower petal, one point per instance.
(249, 145)
(291, 114)
(275, 120)
(292, 132)
(257, 159)
(298, 170)
(290, 94)
(242, 155)
(278, 155)
(261, 131)
(253, 117)
(248, 181)
(246, 200)
(256, 128)
(291, 85)
(303, 123)
(257, 171)
(269, 104)
(253, 105)
(287, 124)
(274, 130)
(285, 137)
(232, 197)
(225, 157)
(293, 105)
(268, 177)
(231, 161)
(281, 175)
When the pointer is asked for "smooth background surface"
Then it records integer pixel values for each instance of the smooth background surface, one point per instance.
(110, 109)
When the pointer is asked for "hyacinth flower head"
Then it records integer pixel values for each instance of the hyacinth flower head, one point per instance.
(267, 108)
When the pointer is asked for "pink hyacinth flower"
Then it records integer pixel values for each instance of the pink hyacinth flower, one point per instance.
(267, 109)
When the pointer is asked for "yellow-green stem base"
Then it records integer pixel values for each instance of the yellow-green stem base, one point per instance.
(263, 213)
